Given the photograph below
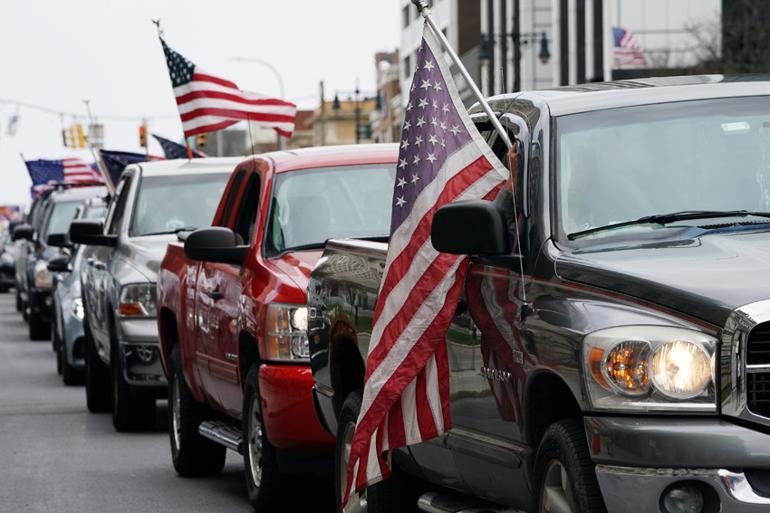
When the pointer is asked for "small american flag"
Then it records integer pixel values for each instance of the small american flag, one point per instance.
(208, 103)
(442, 159)
(626, 48)
(174, 150)
(68, 170)
(77, 171)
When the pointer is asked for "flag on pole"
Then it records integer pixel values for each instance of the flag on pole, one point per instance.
(626, 49)
(442, 159)
(174, 150)
(68, 170)
(208, 103)
(116, 161)
(77, 171)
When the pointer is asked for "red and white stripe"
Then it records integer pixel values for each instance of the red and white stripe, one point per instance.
(209, 103)
(77, 171)
(406, 391)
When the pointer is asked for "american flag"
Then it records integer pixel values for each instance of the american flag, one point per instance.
(68, 170)
(208, 103)
(116, 161)
(77, 171)
(442, 159)
(626, 48)
(173, 150)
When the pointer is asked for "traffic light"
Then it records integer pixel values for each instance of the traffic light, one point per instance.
(73, 137)
(200, 141)
(143, 135)
(65, 137)
(81, 136)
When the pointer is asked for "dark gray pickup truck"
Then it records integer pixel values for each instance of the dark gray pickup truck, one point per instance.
(635, 378)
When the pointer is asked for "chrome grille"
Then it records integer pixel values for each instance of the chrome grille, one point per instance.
(758, 370)
(758, 347)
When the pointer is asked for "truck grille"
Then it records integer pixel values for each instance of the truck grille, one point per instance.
(758, 379)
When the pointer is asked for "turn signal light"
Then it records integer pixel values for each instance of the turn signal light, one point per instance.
(626, 367)
(130, 309)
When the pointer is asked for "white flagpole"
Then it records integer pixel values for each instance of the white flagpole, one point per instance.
(423, 8)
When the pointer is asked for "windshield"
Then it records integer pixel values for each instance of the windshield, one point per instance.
(622, 164)
(314, 205)
(165, 204)
(62, 214)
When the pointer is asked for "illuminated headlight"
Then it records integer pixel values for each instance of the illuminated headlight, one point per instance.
(43, 277)
(285, 333)
(77, 308)
(6, 258)
(651, 368)
(137, 300)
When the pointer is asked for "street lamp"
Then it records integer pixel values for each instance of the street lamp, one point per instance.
(279, 79)
(336, 106)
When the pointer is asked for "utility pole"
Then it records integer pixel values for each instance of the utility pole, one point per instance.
(323, 114)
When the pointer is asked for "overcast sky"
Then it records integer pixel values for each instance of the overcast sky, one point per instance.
(57, 53)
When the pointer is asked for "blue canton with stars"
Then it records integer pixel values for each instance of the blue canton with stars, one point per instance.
(432, 131)
(179, 68)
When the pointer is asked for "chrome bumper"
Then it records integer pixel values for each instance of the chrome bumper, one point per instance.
(140, 352)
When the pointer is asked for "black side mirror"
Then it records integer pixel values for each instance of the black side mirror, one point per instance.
(59, 264)
(23, 231)
(215, 244)
(58, 240)
(91, 233)
(473, 227)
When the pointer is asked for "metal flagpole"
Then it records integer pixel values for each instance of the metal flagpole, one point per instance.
(422, 7)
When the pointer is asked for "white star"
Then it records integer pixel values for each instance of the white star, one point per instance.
(407, 125)
(431, 157)
(437, 86)
(443, 126)
(402, 163)
(425, 84)
(443, 143)
(405, 144)
(455, 129)
(420, 122)
(429, 65)
(445, 108)
(401, 183)
(400, 201)
(418, 140)
(416, 159)
(432, 139)
(434, 121)
(435, 104)
(423, 103)
(415, 178)
(409, 107)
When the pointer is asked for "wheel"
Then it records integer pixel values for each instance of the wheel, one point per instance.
(38, 329)
(97, 377)
(564, 476)
(133, 409)
(266, 487)
(59, 357)
(69, 374)
(19, 304)
(192, 454)
(54, 338)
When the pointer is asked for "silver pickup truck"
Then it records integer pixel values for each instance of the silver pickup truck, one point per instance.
(153, 203)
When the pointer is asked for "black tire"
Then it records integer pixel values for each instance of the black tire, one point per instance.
(69, 375)
(133, 409)
(54, 337)
(19, 304)
(38, 329)
(191, 454)
(97, 377)
(564, 444)
(59, 359)
(273, 490)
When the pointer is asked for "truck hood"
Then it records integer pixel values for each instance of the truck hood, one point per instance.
(145, 254)
(296, 266)
(707, 276)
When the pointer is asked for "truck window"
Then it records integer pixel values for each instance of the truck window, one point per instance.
(244, 224)
(119, 206)
(232, 197)
(60, 217)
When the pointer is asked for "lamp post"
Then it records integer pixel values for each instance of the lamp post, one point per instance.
(337, 106)
(279, 79)
(520, 40)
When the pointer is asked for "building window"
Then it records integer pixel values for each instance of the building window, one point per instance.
(405, 16)
(407, 66)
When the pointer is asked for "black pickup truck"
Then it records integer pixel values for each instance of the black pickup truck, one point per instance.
(635, 377)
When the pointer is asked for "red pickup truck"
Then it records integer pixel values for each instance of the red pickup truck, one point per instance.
(232, 312)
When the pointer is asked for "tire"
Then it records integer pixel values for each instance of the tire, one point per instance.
(59, 359)
(19, 304)
(97, 377)
(38, 329)
(564, 472)
(191, 454)
(133, 409)
(69, 374)
(268, 490)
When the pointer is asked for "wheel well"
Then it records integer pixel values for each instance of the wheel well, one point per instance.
(248, 354)
(168, 332)
(346, 369)
(549, 400)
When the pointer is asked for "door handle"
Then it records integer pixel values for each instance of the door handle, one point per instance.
(215, 295)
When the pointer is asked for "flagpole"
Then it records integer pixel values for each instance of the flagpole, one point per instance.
(424, 10)
(189, 150)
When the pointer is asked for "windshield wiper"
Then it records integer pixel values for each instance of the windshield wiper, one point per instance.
(169, 232)
(684, 215)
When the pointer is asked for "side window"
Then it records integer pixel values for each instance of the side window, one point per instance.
(118, 207)
(244, 223)
(231, 199)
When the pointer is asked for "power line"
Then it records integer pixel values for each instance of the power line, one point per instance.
(79, 115)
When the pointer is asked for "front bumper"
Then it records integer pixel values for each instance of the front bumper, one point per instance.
(40, 303)
(640, 459)
(140, 352)
(288, 413)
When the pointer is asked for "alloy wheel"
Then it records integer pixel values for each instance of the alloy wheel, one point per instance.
(557, 494)
(176, 412)
(255, 442)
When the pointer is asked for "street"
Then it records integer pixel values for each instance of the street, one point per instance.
(56, 457)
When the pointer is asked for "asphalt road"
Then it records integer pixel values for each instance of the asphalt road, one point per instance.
(55, 457)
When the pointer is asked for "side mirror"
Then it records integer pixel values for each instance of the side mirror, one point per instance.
(58, 240)
(91, 233)
(59, 264)
(215, 244)
(473, 227)
(23, 231)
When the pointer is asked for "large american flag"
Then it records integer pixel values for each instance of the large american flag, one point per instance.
(442, 159)
(626, 49)
(208, 103)
(68, 170)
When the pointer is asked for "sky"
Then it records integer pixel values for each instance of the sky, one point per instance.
(58, 53)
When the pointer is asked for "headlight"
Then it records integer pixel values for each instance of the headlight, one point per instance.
(6, 258)
(285, 333)
(77, 308)
(650, 368)
(43, 277)
(137, 300)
